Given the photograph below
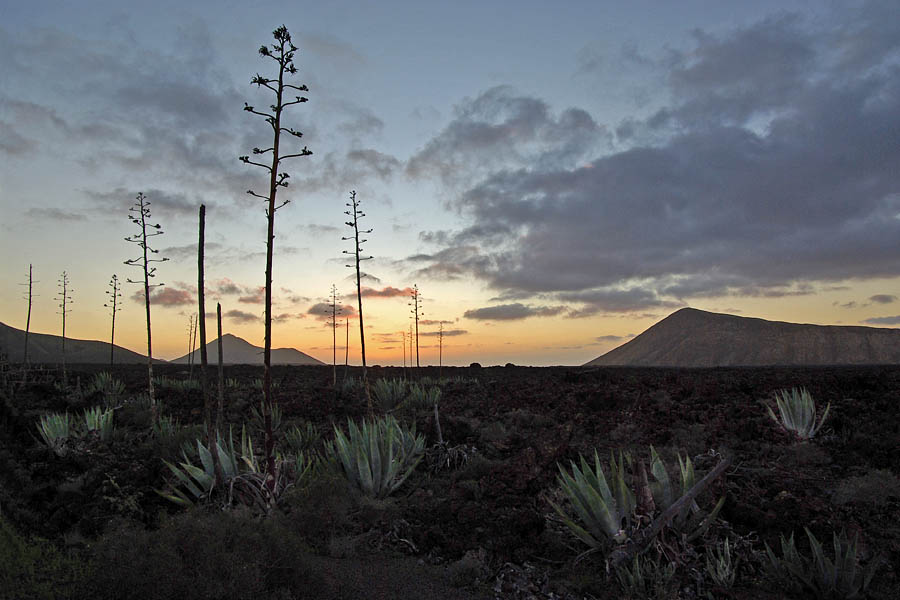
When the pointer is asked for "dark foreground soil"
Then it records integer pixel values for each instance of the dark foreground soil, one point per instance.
(486, 528)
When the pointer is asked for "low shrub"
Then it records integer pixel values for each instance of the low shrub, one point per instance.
(876, 487)
(203, 555)
(35, 569)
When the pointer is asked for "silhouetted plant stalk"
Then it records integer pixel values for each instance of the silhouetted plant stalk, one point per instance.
(335, 311)
(347, 347)
(64, 299)
(440, 349)
(415, 312)
(282, 52)
(28, 296)
(355, 215)
(140, 215)
(220, 407)
(112, 303)
(201, 322)
(192, 346)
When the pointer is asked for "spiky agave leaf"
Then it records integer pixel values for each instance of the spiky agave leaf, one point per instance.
(600, 508)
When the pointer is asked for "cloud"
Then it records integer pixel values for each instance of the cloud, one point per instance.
(241, 316)
(284, 317)
(386, 292)
(322, 311)
(54, 214)
(770, 172)
(447, 332)
(165, 296)
(609, 338)
(338, 172)
(501, 129)
(256, 296)
(895, 320)
(883, 298)
(434, 322)
(161, 203)
(512, 312)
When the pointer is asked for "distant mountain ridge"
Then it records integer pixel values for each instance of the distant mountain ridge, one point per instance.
(46, 348)
(695, 338)
(238, 351)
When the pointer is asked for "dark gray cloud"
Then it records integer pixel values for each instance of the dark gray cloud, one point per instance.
(512, 312)
(165, 296)
(322, 311)
(502, 129)
(339, 172)
(385, 292)
(883, 298)
(609, 338)
(162, 204)
(895, 320)
(447, 333)
(434, 322)
(54, 214)
(771, 173)
(241, 316)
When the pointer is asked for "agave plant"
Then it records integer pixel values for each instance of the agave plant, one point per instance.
(197, 482)
(840, 579)
(107, 385)
(54, 430)
(99, 421)
(389, 393)
(258, 420)
(601, 506)
(798, 412)
(301, 439)
(691, 521)
(377, 456)
(422, 397)
(165, 426)
(720, 565)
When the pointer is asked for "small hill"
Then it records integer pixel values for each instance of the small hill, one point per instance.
(697, 338)
(45, 348)
(238, 351)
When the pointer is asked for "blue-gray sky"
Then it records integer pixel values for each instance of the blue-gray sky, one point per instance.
(554, 178)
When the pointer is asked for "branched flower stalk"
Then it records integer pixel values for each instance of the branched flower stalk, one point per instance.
(114, 306)
(140, 216)
(282, 52)
(64, 299)
(28, 296)
(335, 311)
(416, 312)
(355, 215)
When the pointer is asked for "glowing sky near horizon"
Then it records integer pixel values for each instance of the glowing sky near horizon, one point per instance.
(554, 178)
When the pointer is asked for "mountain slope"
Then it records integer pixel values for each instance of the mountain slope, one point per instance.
(238, 351)
(45, 348)
(696, 338)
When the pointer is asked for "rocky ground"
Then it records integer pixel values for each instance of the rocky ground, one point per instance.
(486, 529)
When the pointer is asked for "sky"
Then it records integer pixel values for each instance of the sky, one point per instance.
(555, 178)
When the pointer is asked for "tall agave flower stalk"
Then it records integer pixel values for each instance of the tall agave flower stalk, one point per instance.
(282, 53)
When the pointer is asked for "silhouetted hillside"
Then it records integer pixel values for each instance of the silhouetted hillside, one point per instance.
(696, 338)
(45, 348)
(238, 351)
